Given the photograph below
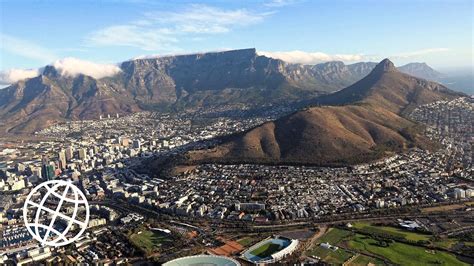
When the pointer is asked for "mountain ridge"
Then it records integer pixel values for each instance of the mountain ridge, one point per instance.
(362, 122)
(237, 77)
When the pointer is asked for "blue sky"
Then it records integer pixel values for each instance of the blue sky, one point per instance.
(35, 33)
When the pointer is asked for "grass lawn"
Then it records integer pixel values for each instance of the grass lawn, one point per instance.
(266, 250)
(334, 236)
(327, 255)
(446, 243)
(246, 241)
(396, 232)
(469, 244)
(362, 260)
(149, 240)
(403, 254)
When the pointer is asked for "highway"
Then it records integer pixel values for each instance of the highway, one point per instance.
(206, 225)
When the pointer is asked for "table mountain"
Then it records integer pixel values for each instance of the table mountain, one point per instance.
(239, 77)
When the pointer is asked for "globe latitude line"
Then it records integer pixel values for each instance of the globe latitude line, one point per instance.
(59, 214)
(45, 197)
(62, 237)
(55, 214)
(67, 199)
(73, 217)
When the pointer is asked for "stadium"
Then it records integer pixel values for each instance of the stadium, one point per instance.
(270, 250)
(209, 260)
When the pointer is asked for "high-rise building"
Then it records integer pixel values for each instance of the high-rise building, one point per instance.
(69, 153)
(62, 159)
(47, 170)
(379, 203)
(136, 144)
(82, 154)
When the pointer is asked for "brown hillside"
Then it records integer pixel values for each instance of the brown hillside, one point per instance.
(367, 124)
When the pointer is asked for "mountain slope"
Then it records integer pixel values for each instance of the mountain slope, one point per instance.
(421, 70)
(239, 77)
(233, 78)
(36, 103)
(367, 123)
(391, 89)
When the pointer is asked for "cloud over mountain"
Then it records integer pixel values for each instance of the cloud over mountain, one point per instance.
(69, 67)
(72, 67)
(311, 58)
(14, 75)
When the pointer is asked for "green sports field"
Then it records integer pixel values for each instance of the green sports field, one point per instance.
(266, 250)
(337, 257)
(362, 260)
(246, 241)
(401, 253)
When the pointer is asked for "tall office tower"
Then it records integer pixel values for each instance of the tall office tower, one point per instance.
(136, 144)
(62, 159)
(47, 170)
(82, 154)
(69, 153)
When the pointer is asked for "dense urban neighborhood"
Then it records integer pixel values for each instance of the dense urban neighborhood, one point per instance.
(101, 157)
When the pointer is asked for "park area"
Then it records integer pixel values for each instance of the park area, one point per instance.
(149, 240)
(401, 253)
(330, 256)
(391, 231)
(334, 236)
(378, 245)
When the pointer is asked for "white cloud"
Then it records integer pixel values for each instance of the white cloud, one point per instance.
(279, 3)
(311, 58)
(133, 35)
(207, 19)
(25, 48)
(73, 67)
(69, 67)
(161, 31)
(420, 53)
(14, 75)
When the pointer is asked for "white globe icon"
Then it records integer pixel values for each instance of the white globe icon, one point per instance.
(56, 213)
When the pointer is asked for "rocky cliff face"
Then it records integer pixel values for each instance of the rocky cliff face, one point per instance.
(239, 77)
